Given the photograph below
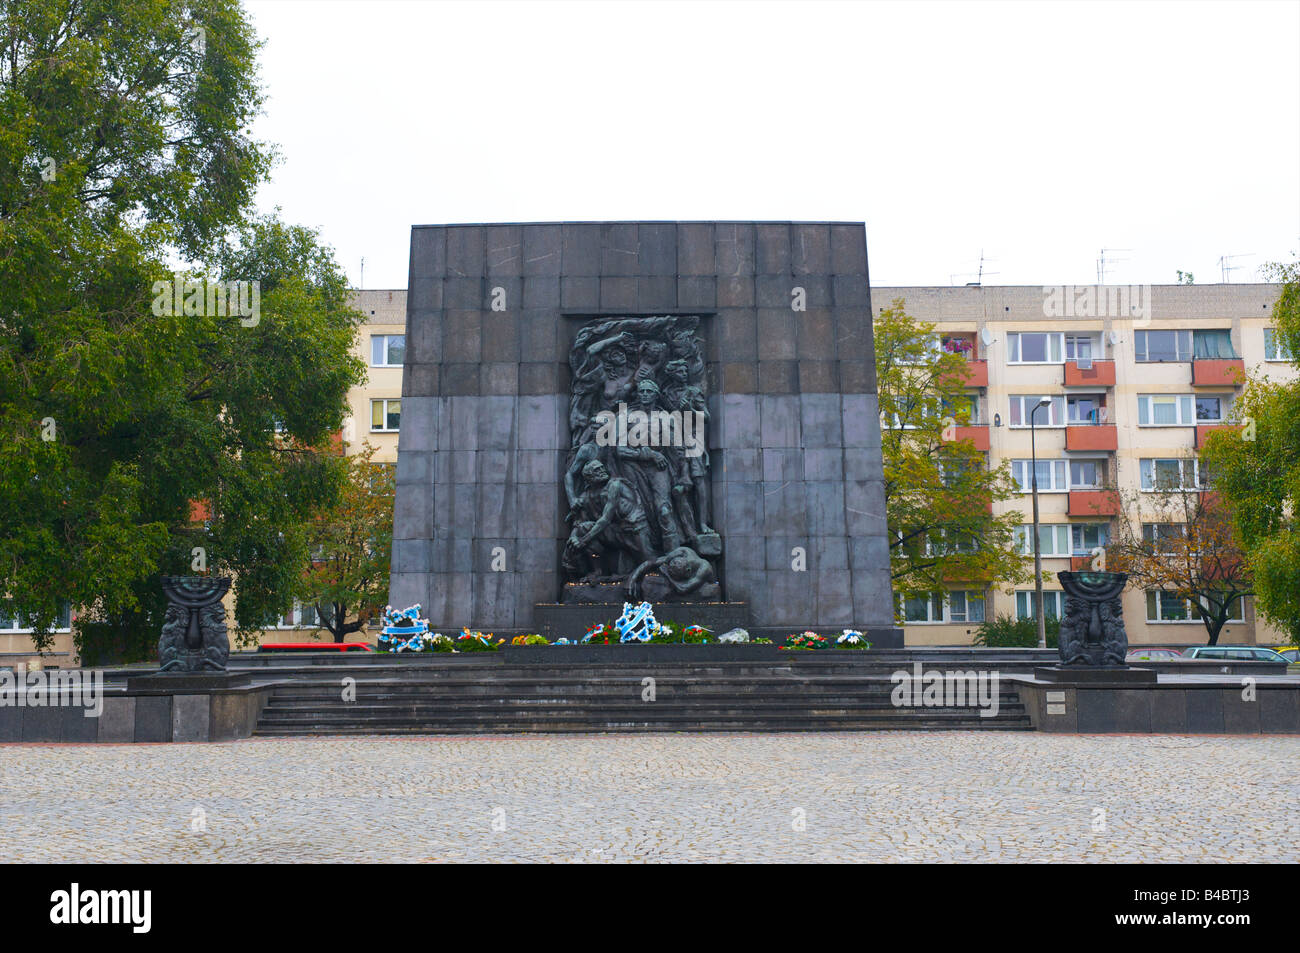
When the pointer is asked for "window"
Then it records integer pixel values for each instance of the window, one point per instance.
(1085, 537)
(1159, 535)
(1274, 349)
(961, 606)
(1053, 539)
(1170, 607)
(1051, 475)
(945, 543)
(385, 415)
(1165, 410)
(1037, 347)
(1156, 346)
(1051, 415)
(932, 348)
(1085, 409)
(1171, 474)
(966, 407)
(11, 621)
(1078, 347)
(387, 350)
(1212, 345)
(1027, 604)
(299, 617)
(1211, 408)
(1087, 474)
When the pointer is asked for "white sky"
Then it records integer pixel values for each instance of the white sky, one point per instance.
(1038, 133)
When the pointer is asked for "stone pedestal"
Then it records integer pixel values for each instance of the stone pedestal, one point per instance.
(1095, 675)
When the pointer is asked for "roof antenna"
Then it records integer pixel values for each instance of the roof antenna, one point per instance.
(362, 283)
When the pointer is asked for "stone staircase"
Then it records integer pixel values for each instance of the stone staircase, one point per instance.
(489, 695)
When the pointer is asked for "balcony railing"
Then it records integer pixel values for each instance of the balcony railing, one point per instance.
(1219, 372)
(1100, 374)
(1093, 503)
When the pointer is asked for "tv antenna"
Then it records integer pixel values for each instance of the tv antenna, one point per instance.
(1105, 258)
(979, 275)
(362, 283)
(1227, 269)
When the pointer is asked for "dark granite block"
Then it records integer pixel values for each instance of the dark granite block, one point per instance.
(739, 378)
(492, 466)
(467, 294)
(460, 380)
(501, 296)
(778, 291)
(504, 251)
(539, 338)
(864, 506)
(462, 423)
(542, 292)
(820, 420)
(494, 600)
(153, 718)
(42, 724)
(788, 554)
(657, 254)
(733, 249)
(538, 466)
(834, 597)
(784, 509)
(736, 334)
(1169, 711)
(656, 294)
(619, 250)
(465, 251)
(862, 464)
(496, 420)
(744, 507)
(850, 291)
(695, 248)
(1240, 716)
(1205, 710)
(778, 377)
(819, 377)
(421, 379)
(849, 250)
(745, 552)
(581, 251)
(826, 515)
(829, 552)
(853, 334)
(772, 248)
(580, 294)
(419, 424)
(810, 249)
(792, 599)
(618, 294)
(736, 291)
(697, 291)
(461, 336)
(779, 421)
(1279, 710)
(867, 552)
(191, 716)
(857, 377)
(412, 554)
(426, 294)
(424, 337)
(776, 333)
(861, 415)
(117, 723)
(1096, 710)
(823, 464)
(540, 421)
(537, 555)
(542, 249)
(413, 512)
(11, 723)
(496, 510)
(539, 511)
(498, 379)
(428, 253)
(500, 336)
(739, 465)
(782, 465)
(816, 335)
(536, 378)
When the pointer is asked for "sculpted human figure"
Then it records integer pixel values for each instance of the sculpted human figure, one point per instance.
(684, 569)
(654, 470)
(621, 525)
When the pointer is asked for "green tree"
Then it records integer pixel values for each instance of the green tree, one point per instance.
(349, 547)
(1256, 468)
(123, 148)
(939, 490)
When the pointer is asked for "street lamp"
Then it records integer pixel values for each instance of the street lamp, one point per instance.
(1038, 555)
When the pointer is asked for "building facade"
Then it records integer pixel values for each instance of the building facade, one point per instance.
(1135, 378)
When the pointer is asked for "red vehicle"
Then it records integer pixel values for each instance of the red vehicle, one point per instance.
(316, 647)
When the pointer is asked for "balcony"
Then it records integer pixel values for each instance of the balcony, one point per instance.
(1093, 503)
(1204, 430)
(1219, 372)
(1080, 563)
(975, 374)
(1101, 374)
(1091, 437)
(978, 435)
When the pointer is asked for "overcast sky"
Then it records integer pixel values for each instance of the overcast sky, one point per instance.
(1035, 133)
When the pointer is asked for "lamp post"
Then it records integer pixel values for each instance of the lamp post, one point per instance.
(1038, 555)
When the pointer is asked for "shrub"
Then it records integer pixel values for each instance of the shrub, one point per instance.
(1005, 632)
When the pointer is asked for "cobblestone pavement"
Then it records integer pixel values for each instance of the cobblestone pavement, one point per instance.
(904, 796)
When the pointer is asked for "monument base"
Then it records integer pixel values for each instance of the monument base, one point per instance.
(1095, 674)
(186, 681)
(654, 589)
(572, 620)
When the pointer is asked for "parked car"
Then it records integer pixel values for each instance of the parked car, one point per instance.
(1152, 655)
(1238, 653)
(1291, 653)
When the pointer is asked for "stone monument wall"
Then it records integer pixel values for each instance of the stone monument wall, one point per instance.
(794, 434)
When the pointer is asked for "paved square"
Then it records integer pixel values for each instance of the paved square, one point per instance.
(904, 796)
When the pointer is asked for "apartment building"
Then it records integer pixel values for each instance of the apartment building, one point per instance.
(1135, 379)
